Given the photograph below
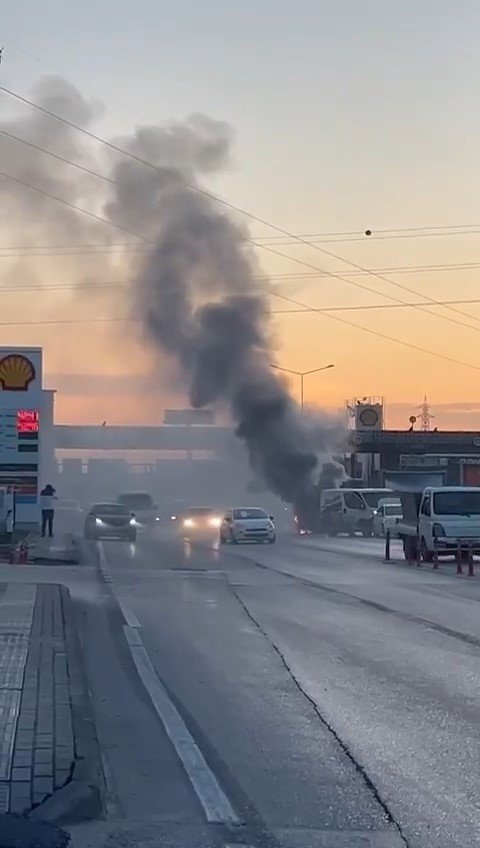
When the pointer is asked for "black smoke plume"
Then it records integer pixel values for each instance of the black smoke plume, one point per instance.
(198, 299)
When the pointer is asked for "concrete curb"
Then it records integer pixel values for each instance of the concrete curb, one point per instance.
(70, 556)
(83, 797)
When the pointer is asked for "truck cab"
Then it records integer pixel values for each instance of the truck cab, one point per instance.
(442, 518)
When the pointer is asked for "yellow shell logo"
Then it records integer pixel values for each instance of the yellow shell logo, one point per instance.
(16, 372)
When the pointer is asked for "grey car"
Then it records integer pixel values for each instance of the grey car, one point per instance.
(110, 521)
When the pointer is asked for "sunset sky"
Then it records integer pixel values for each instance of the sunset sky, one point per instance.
(346, 116)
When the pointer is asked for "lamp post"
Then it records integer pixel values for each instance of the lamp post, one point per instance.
(302, 375)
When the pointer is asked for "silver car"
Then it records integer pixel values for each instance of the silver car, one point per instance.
(247, 524)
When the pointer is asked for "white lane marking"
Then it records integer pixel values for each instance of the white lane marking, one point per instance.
(132, 636)
(127, 613)
(215, 803)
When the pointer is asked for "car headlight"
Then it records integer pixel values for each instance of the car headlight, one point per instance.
(99, 522)
(215, 522)
(188, 523)
(157, 518)
(173, 518)
(438, 530)
(133, 522)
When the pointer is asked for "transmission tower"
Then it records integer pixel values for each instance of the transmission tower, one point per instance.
(426, 416)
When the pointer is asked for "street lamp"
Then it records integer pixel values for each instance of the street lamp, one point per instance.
(302, 375)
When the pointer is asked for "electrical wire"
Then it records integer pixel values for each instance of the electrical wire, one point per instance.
(246, 213)
(251, 216)
(283, 297)
(379, 334)
(80, 287)
(252, 241)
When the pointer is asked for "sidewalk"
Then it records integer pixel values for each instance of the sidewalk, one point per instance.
(47, 737)
(63, 548)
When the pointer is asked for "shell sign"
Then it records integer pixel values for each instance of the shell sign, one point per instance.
(16, 372)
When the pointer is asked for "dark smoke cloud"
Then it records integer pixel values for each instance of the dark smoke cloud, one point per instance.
(197, 298)
(194, 294)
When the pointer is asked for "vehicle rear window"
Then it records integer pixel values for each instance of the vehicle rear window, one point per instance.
(243, 514)
(108, 509)
(372, 498)
(392, 509)
(136, 501)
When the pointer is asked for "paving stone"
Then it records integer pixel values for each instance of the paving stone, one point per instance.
(24, 740)
(22, 758)
(20, 797)
(42, 786)
(42, 755)
(21, 773)
(61, 777)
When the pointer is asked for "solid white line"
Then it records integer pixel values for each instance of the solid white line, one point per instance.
(128, 614)
(132, 636)
(215, 803)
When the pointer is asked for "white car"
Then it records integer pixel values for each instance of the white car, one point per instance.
(247, 524)
(385, 517)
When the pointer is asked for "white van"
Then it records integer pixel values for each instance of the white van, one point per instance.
(349, 510)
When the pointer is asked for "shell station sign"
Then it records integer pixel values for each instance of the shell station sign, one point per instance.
(16, 372)
(21, 404)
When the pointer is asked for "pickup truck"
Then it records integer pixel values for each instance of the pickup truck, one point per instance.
(438, 518)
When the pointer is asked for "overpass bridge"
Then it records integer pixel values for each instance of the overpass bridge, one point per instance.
(162, 438)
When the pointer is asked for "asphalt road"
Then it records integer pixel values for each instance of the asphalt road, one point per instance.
(334, 698)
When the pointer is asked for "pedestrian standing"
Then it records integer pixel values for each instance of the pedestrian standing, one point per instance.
(47, 503)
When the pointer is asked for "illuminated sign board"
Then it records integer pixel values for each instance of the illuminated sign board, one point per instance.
(27, 421)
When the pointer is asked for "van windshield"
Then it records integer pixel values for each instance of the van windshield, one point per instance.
(456, 503)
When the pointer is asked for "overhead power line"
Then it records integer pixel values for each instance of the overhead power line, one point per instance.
(380, 335)
(281, 230)
(332, 274)
(284, 297)
(21, 288)
(239, 210)
(320, 238)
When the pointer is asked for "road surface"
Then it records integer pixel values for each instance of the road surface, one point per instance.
(333, 698)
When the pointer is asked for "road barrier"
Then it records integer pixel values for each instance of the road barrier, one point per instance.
(470, 572)
(387, 546)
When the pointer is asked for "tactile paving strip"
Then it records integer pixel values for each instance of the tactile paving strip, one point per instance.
(4, 798)
(16, 608)
(9, 707)
(13, 656)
